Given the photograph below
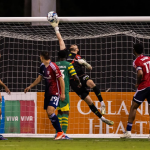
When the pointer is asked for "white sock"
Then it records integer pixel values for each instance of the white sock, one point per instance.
(102, 103)
(103, 118)
(129, 132)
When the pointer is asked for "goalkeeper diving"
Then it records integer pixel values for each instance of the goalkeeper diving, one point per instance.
(78, 62)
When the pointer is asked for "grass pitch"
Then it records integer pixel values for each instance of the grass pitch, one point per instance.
(75, 144)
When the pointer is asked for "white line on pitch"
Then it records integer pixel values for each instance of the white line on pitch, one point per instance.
(9, 145)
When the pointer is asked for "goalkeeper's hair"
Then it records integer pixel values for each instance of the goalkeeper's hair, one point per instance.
(62, 54)
(138, 48)
(45, 54)
(72, 48)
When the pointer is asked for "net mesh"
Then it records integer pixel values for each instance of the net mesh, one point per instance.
(108, 47)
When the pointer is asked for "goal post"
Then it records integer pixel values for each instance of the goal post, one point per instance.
(105, 42)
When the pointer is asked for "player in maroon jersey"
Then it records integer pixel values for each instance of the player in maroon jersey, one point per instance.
(54, 89)
(142, 66)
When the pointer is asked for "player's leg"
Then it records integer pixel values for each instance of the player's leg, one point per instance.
(138, 99)
(89, 102)
(65, 107)
(148, 100)
(59, 114)
(149, 119)
(65, 116)
(53, 103)
(97, 92)
(84, 94)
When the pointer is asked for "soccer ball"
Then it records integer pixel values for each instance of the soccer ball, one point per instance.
(52, 17)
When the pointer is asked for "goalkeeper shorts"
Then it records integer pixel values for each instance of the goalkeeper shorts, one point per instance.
(64, 105)
(81, 92)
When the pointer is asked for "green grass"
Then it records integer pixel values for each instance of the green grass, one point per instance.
(75, 144)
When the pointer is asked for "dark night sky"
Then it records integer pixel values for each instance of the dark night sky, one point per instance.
(86, 8)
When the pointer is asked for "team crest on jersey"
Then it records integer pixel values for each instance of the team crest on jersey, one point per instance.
(48, 72)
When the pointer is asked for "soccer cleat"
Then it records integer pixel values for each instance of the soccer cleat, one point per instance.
(55, 135)
(126, 134)
(109, 122)
(59, 135)
(65, 137)
(2, 138)
(103, 110)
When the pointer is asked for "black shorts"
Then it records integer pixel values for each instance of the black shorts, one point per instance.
(81, 92)
(141, 95)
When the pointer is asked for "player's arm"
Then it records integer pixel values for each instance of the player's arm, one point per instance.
(58, 35)
(37, 81)
(76, 78)
(73, 74)
(5, 87)
(62, 86)
(84, 63)
(139, 77)
(60, 39)
(0, 97)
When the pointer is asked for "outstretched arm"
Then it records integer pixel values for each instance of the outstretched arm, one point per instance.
(5, 87)
(58, 35)
(38, 80)
(61, 41)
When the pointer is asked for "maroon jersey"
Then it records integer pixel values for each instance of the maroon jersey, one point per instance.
(143, 63)
(51, 75)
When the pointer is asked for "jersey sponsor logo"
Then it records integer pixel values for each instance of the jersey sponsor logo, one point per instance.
(62, 67)
(86, 77)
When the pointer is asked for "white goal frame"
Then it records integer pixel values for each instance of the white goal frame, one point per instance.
(75, 20)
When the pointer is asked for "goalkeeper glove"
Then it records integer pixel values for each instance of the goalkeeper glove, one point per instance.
(83, 62)
(54, 25)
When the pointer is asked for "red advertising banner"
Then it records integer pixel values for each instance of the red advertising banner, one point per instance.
(27, 116)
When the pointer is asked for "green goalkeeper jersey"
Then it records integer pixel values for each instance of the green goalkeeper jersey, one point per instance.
(67, 71)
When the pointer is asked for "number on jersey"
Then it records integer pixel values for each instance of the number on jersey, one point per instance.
(147, 66)
(62, 72)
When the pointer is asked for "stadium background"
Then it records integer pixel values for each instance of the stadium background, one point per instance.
(111, 58)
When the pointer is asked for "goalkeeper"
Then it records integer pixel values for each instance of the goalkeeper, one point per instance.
(67, 71)
(85, 80)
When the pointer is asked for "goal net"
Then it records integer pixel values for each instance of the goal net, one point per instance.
(106, 43)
